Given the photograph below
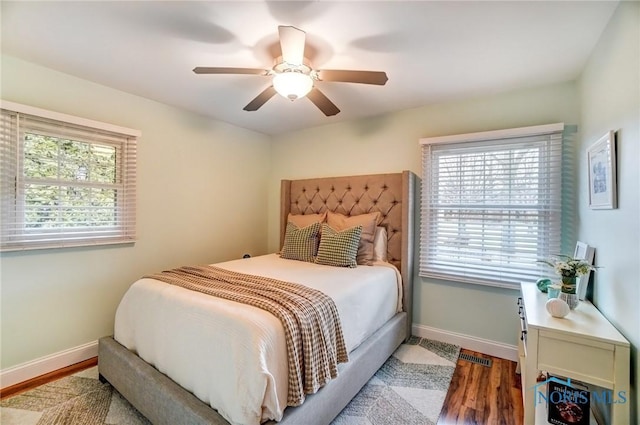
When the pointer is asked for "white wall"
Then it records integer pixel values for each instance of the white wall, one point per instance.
(610, 90)
(389, 143)
(192, 171)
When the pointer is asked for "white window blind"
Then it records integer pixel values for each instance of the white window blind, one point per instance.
(63, 183)
(491, 205)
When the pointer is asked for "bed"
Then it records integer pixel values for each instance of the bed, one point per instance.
(163, 401)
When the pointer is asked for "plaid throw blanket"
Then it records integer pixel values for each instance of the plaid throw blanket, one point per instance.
(313, 333)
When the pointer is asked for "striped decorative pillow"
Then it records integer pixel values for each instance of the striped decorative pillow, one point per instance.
(300, 243)
(339, 248)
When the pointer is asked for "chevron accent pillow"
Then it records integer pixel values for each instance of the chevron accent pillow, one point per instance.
(300, 243)
(339, 248)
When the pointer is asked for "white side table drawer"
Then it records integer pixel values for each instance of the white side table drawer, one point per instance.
(584, 360)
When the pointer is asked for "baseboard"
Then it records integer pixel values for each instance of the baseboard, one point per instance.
(492, 348)
(33, 369)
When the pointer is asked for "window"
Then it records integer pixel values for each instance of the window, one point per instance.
(66, 181)
(491, 205)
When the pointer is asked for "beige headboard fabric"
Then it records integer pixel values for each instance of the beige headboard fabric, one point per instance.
(393, 195)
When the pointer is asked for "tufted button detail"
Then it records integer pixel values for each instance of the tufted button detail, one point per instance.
(309, 202)
(348, 187)
(375, 201)
(366, 187)
(385, 187)
(333, 189)
(317, 189)
(304, 190)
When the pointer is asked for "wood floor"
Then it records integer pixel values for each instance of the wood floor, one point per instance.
(49, 377)
(478, 395)
(483, 395)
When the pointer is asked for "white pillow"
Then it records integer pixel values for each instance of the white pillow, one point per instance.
(380, 244)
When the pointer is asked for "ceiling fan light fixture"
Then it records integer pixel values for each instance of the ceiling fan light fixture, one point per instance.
(292, 84)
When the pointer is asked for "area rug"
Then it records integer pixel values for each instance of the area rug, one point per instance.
(409, 388)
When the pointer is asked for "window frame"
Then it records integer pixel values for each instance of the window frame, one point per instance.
(464, 141)
(15, 234)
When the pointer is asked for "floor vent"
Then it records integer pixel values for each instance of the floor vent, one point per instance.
(475, 359)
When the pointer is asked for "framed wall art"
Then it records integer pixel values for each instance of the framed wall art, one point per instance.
(601, 157)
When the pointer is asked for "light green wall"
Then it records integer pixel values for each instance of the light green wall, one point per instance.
(610, 91)
(389, 143)
(192, 172)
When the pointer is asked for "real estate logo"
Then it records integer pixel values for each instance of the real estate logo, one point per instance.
(569, 403)
(602, 396)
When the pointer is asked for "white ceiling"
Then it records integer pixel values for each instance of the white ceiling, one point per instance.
(432, 51)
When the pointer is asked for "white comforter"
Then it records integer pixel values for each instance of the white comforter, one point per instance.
(233, 356)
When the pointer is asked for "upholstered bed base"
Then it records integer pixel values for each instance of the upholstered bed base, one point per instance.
(163, 401)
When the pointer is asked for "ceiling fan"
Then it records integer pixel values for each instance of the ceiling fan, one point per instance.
(293, 77)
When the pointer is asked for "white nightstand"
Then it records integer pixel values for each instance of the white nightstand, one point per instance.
(582, 346)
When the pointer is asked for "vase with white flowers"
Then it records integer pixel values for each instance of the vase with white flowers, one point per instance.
(569, 269)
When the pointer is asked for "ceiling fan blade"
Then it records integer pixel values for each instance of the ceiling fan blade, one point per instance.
(322, 102)
(363, 77)
(292, 44)
(261, 99)
(223, 70)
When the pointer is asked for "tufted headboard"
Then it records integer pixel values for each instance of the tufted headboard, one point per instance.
(393, 195)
